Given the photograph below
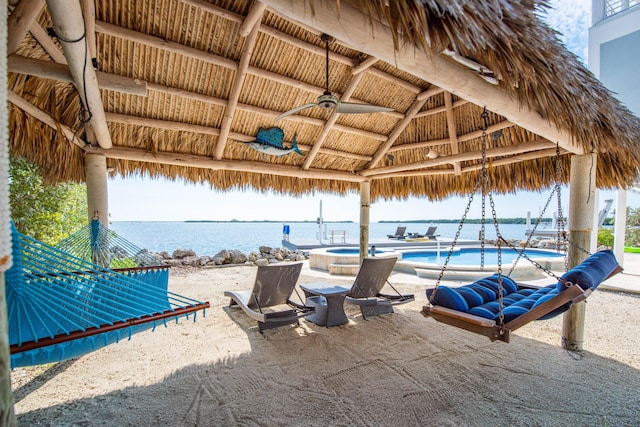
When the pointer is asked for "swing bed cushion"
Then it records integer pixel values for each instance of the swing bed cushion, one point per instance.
(481, 298)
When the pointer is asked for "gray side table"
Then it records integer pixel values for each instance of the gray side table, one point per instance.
(328, 300)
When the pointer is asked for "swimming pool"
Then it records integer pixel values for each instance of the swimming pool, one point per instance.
(464, 263)
(472, 256)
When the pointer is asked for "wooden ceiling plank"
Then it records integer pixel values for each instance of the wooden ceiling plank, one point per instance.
(69, 25)
(44, 117)
(22, 17)
(353, 84)
(400, 127)
(204, 162)
(234, 95)
(47, 44)
(373, 38)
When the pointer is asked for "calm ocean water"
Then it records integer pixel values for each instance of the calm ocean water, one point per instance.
(208, 238)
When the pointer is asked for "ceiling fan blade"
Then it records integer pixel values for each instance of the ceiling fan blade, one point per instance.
(295, 110)
(353, 108)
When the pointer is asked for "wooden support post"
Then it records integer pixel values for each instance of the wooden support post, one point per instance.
(365, 204)
(7, 413)
(97, 194)
(581, 215)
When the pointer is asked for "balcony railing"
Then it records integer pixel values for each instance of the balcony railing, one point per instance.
(611, 7)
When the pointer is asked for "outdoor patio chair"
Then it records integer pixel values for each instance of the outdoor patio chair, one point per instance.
(430, 234)
(365, 291)
(399, 233)
(273, 287)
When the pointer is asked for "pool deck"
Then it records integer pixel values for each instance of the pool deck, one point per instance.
(307, 245)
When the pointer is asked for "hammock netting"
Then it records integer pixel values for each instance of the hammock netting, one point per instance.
(61, 306)
(99, 245)
(96, 243)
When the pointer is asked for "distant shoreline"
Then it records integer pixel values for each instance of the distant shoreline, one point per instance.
(415, 221)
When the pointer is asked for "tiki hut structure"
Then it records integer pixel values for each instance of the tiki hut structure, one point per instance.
(177, 88)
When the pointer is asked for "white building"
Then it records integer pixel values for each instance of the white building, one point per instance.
(614, 57)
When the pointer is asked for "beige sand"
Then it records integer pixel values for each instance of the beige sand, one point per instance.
(398, 369)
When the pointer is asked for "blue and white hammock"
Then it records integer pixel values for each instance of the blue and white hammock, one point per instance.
(61, 306)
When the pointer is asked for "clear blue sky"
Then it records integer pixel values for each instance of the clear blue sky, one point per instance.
(143, 199)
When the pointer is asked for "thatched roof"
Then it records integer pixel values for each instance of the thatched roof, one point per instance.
(184, 84)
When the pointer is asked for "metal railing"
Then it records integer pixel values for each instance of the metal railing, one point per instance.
(612, 7)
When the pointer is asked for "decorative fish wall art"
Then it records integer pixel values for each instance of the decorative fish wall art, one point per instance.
(270, 141)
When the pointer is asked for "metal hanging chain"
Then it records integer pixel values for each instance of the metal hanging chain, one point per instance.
(484, 178)
(455, 240)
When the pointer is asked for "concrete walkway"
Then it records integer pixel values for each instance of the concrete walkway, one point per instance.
(629, 279)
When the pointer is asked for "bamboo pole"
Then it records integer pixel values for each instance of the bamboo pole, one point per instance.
(70, 28)
(365, 206)
(581, 220)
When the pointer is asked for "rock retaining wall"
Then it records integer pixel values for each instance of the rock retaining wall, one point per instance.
(265, 256)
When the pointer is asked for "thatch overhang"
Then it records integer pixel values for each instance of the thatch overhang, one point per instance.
(184, 84)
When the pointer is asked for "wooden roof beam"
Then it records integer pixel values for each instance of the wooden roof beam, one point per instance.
(421, 99)
(551, 152)
(22, 17)
(61, 72)
(44, 117)
(69, 25)
(204, 162)
(47, 44)
(451, 126)
(355, 80)
(462, 157)
(374, 38)
(441, 109)
(208, 130)
(234, 94)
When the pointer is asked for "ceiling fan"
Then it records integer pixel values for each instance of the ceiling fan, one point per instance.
(329, 101)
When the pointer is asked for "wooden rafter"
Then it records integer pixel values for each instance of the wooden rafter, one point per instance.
(208, 130)
(22, 17)
(421, 99)
(204, 162)
(451, 126)
(52, 70)
(234, 95)
(462, 157)
(43, 116)
(47, 44)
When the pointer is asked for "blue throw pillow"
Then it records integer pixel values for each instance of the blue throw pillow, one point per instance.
(592, 271)
(450, 298)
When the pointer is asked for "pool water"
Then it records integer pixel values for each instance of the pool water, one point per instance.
(471, 256)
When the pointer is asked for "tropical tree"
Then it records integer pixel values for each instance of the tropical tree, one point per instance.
(48, 213)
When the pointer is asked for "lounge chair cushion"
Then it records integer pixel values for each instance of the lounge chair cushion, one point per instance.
(592, 271)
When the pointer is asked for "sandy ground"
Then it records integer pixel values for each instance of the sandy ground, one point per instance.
(397, 369)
